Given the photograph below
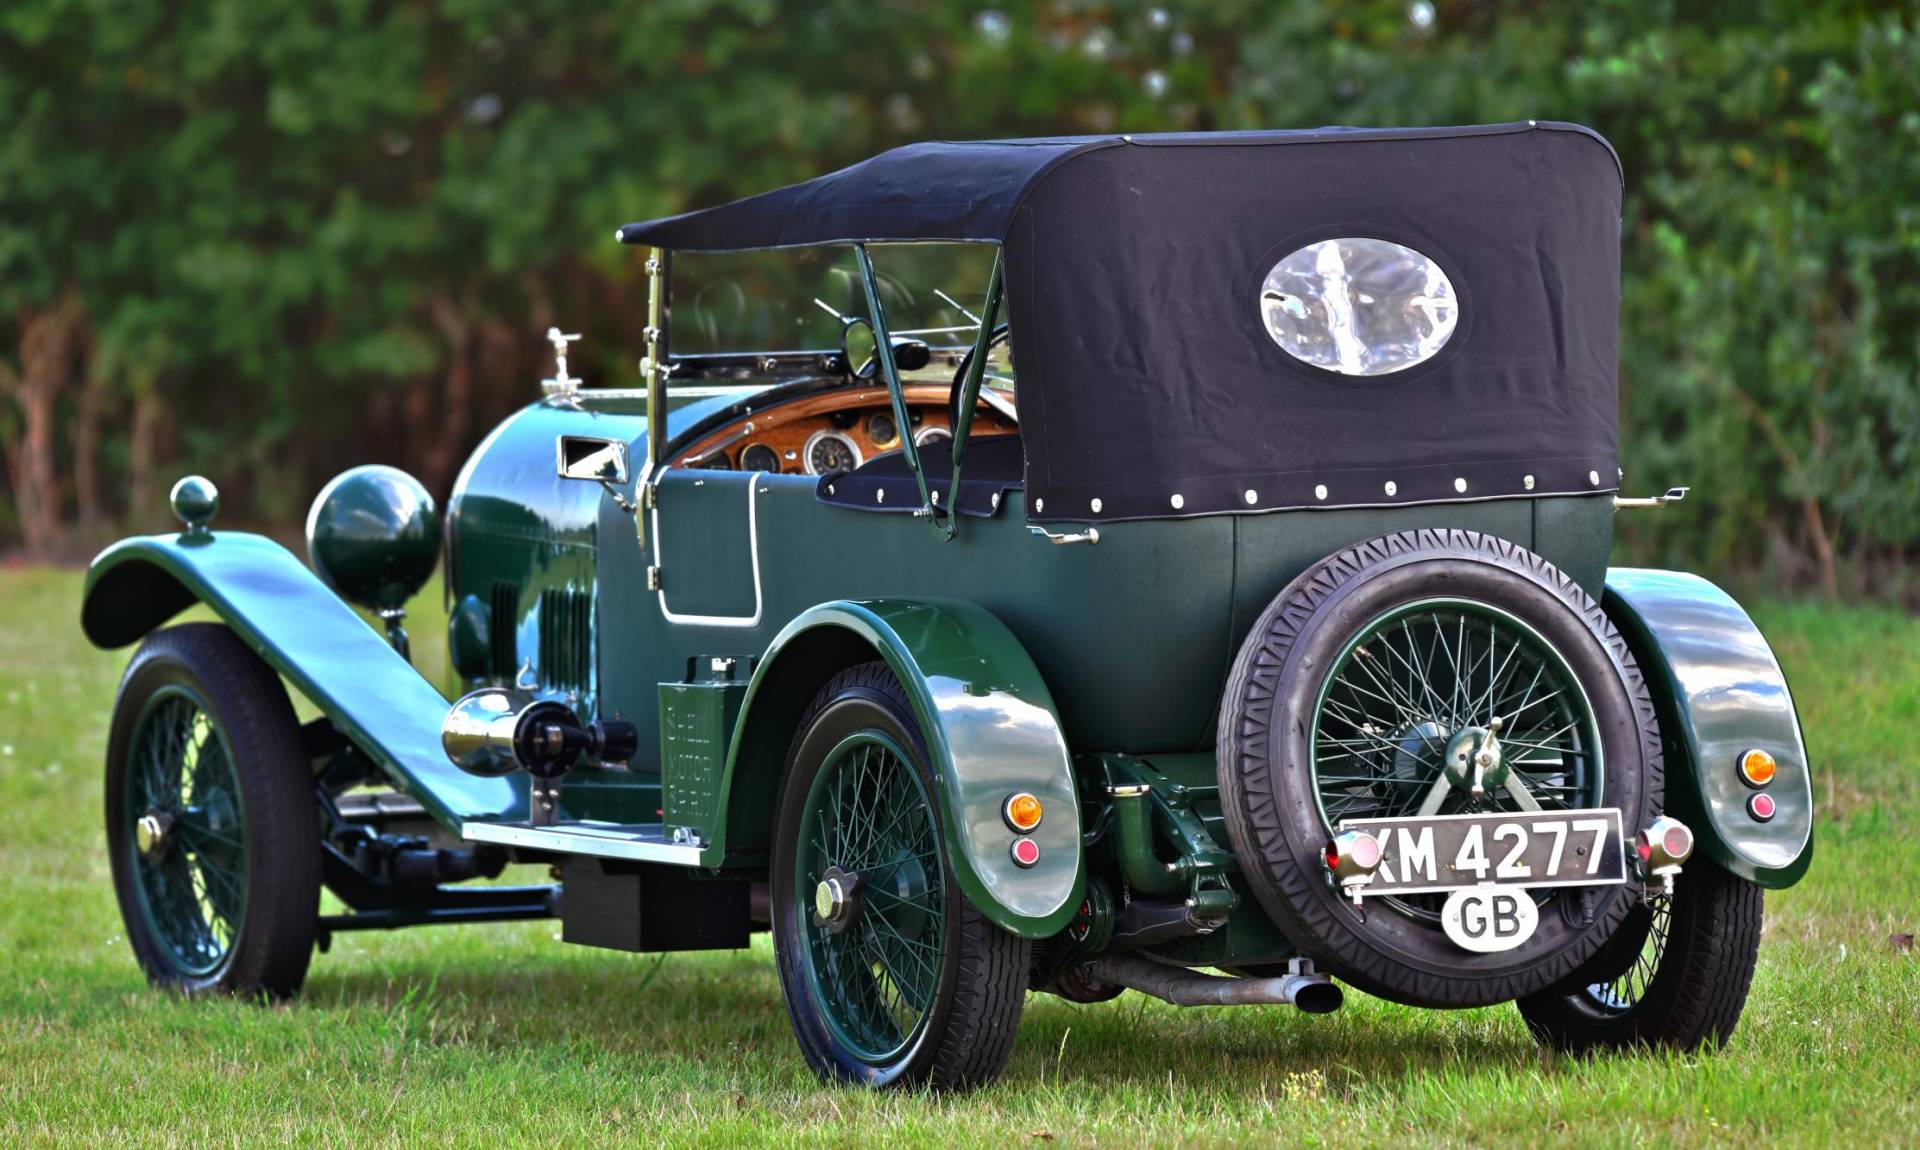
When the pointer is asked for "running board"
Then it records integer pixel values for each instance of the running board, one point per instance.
(640, 842)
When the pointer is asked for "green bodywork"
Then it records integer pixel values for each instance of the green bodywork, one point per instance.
(310, 637)
(1120, 646)
(990, 728)
(1719, 692)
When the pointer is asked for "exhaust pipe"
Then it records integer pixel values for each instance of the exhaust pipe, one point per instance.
(1313, 993)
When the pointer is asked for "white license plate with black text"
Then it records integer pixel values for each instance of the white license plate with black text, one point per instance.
(1441, 853)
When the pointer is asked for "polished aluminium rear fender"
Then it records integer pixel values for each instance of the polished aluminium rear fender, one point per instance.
(991, 730)
(1719, 692)
(310, 636)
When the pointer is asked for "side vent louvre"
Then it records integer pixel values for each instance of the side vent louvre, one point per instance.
(566, 639)
(503, 615)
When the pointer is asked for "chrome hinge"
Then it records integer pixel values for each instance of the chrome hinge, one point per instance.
(653, 578)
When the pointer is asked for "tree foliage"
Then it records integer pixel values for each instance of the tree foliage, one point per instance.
(265, 239)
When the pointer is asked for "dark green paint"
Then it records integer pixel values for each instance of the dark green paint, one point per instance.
(1718, 692)
(703, 544)
(696, 724)
(1127, 662)
(1172, 839)
(304, 631)
(374, 536)
(990, 729)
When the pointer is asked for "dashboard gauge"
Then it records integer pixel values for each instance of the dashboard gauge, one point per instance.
(881, 429)
(828, 451)
(715, 462)
(928, 435)
(760, 457)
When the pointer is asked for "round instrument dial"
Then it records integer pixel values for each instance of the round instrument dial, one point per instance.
(928, 435)
(882, 430)
(829, 451)
(760, 457)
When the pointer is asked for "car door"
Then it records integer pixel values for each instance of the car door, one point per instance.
(705, 547)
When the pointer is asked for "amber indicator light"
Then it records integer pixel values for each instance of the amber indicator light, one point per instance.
(1758, 767)
(1022, 812)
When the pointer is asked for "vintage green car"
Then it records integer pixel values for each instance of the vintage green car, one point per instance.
(1216, 605)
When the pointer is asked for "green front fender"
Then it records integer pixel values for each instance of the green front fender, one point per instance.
(307, 634)
(1719, 693)
(990, 728)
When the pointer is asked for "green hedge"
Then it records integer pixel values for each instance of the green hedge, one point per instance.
(266, 239)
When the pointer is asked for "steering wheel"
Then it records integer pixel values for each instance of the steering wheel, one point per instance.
(998, 337)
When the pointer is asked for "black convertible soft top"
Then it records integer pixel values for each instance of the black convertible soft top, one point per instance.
(1149, 384)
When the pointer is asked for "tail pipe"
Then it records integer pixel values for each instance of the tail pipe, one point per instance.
(1313, 993)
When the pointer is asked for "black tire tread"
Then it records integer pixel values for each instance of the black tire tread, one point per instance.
(1252, 815)
(1700, 989)
(274, 946)
(989, 992)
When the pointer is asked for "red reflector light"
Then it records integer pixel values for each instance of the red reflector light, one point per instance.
(1026, 852)
(1761, 807)
(1678, 841)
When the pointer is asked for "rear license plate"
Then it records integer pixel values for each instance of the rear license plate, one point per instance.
(1452, 852)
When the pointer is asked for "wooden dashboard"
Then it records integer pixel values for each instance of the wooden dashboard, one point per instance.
(832, 432)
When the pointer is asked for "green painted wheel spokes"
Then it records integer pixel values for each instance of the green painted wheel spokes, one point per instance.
(191, 874)
(875, 965)
(1626, 991)
(1418, 677)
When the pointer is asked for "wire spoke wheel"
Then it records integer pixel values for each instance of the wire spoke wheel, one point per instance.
(1621, 994)
(1419, 682)
(892, 978)
(187, 832)
(870, 881)
(1431, 674)
(213, 833)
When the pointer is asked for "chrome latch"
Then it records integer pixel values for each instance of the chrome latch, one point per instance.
(1673, 495)
(1090, 535)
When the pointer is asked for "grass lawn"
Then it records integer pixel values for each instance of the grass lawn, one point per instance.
(498, 1034)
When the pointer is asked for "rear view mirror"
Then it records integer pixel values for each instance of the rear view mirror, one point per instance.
(593, 459)
(858, 346)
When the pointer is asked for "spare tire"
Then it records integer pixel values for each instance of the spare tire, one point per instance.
(1357, 671)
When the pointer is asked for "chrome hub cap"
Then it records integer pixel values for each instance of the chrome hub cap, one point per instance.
(1473, 760)
(833, 899)
(150, 833)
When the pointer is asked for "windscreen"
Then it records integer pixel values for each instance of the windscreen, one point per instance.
(801, 300)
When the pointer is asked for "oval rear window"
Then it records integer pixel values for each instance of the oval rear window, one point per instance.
(1359, 306)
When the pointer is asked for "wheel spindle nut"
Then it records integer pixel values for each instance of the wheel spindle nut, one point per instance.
(150, 833)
